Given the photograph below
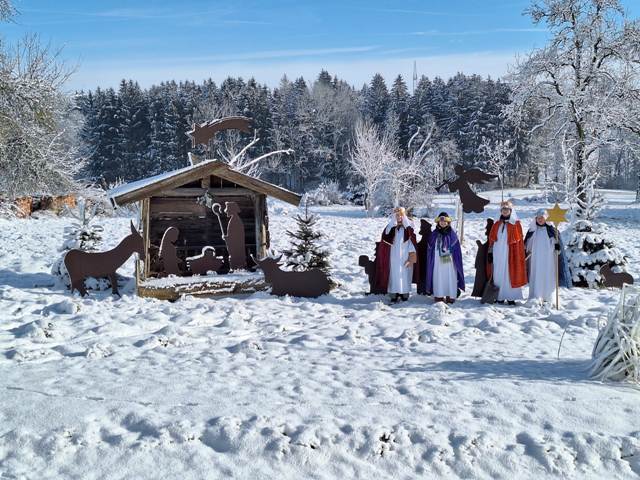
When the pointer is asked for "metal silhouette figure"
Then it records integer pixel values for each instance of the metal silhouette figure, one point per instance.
(370, 269)
(81, 265)
(481, 278)
(234, 234)
(461, 184)
(201, 133)
(425, 232)
(205, 262)
(168, 252)
(310, 283)
(613, 279)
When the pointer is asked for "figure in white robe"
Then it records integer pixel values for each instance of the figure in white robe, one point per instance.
(400, 267)
(543, 257)
(445, 278)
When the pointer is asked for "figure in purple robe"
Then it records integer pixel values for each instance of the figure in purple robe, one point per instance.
(444, 277)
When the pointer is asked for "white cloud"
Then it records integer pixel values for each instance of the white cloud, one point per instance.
(356, 72)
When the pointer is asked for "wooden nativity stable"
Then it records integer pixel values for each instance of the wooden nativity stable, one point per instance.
(176, 199)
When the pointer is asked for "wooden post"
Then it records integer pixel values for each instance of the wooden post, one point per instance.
(557, 272)
(557, 215)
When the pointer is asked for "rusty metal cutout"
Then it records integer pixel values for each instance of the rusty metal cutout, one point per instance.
(205, 262)
(201, 133)
(311, 283)
(468, 198)
(82, 265)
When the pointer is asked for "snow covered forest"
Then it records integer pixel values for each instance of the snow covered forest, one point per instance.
(132, 132)
(522, 127)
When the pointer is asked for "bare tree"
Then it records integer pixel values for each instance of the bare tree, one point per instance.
(370, 159)
(497, 153)
(584, 82)
(410, 180)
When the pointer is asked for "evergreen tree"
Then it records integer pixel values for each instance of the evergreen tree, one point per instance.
(376, 101)
(305, 253)
(83, 234)
(589, 245)
(399, 105)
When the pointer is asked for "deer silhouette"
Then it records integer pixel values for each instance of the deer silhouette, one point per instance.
(311, 283)
(81, 265)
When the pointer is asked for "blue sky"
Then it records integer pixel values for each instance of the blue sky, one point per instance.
(151, 41)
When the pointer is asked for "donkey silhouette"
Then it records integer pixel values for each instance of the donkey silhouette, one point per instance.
(81, 265)
(311, 283)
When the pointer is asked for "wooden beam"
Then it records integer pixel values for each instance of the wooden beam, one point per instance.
(198, 192)
(144, 220)
(258, 185)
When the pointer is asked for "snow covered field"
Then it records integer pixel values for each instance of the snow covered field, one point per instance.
(341, 387)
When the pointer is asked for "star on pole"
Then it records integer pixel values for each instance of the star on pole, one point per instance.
(557, 215)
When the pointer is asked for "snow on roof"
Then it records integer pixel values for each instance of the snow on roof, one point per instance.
(145, 182)
(147, 187)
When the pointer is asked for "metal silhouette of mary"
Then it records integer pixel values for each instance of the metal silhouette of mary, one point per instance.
(461, 184)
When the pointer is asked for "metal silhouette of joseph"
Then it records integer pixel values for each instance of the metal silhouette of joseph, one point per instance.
(234, 235)
(168, 252)
(613, 279)
(81, 265)
(461, 184)
(310, 283)
(205, 262)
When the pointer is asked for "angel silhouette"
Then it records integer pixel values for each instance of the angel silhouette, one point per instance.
(470, 201)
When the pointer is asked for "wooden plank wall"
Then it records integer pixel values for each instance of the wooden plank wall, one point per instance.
(198, 225)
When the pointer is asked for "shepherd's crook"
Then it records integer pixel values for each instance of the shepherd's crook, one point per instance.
(216, 208)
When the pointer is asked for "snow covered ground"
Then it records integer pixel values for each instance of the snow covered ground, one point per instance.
(345, 386)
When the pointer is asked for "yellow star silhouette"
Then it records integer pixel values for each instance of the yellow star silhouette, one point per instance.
(557, 215)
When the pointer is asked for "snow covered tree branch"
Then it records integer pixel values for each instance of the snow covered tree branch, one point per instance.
(370, 159)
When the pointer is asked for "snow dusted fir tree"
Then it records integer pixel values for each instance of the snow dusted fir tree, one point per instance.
(305, 252)
(83, 234)
(589, 246)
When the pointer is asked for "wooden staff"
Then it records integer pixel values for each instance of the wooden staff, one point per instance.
(216, 208)
(557, 252)
(556, 216)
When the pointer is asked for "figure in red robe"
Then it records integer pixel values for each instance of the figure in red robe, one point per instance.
(506, 258)
(396, 258)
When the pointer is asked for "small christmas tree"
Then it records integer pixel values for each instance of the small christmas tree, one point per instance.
(84, 235)
(305, 253)
(589, 247)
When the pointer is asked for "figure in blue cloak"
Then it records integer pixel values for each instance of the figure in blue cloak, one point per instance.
(444, 276)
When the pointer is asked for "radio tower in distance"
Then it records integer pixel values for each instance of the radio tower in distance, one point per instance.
(415, 77)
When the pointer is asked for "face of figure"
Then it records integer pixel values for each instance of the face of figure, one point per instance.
(505, 211)
(442, 222)
(399, 213)
(541, 220)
